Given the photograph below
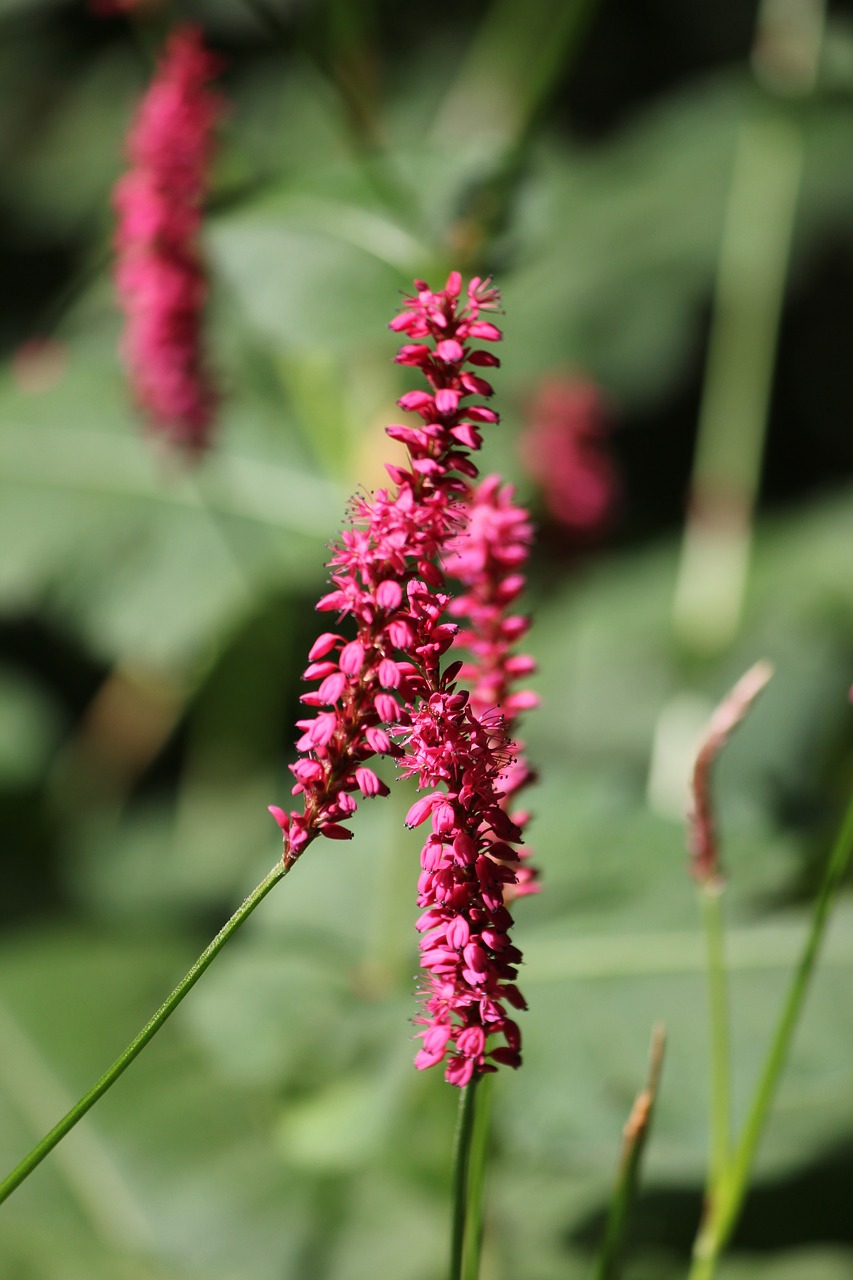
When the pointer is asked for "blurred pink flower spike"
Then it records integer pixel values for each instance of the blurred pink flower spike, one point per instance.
(159, 272)
(705, 865)
(565, 449)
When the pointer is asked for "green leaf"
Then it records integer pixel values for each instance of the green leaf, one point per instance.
(175, 1165)
(150, 562)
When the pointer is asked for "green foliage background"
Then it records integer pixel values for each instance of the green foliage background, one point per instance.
(154, 625)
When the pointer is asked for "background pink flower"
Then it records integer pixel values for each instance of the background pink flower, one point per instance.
(159, 270)
(565, 449)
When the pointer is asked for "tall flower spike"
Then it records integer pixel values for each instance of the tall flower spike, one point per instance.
(159, 272)
(488, 558)
(383, 691)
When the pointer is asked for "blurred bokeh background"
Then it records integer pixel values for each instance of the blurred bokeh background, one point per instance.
(664, 192)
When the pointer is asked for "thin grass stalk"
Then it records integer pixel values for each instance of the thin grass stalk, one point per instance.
(725, 1207)
(711, 901)
(123, 1061)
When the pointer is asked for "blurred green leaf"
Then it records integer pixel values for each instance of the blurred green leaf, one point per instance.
(174, 1165)
(150, 562)
(80, 144)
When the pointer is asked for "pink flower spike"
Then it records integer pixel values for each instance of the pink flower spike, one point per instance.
(159, 273)
(390, 573)
(566, 448)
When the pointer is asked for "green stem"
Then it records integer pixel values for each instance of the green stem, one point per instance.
(477, 1178)
(725, 1206)
(609, 1262)
(108, 1079)
(749, 295)
(748, 298)
(460, 1188)
(711, 899)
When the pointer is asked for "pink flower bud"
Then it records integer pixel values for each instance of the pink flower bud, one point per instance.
(352, 658)
(389, 674)
(332, 831)
(378, 741)
(323, 645)
(389, 594)
(386, 708)
(280, 816)
(369, 783)
(422, 808)
(458, 932)
(449, 350)
(332, 688)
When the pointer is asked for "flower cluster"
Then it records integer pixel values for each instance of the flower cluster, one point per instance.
(385, 574)
(384, 691)
(467, 861)
(565, 449)
(159, 273)
(488, 558)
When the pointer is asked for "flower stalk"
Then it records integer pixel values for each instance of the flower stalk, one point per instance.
(123, 1061)
(726, 1199)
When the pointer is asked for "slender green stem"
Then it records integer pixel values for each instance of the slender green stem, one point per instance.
(725, 1207)
(477, 1178)
(609, 1262)
(460, 1187)
(108, 1079)
(711, 899)
(749, 294)
(748, 301)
